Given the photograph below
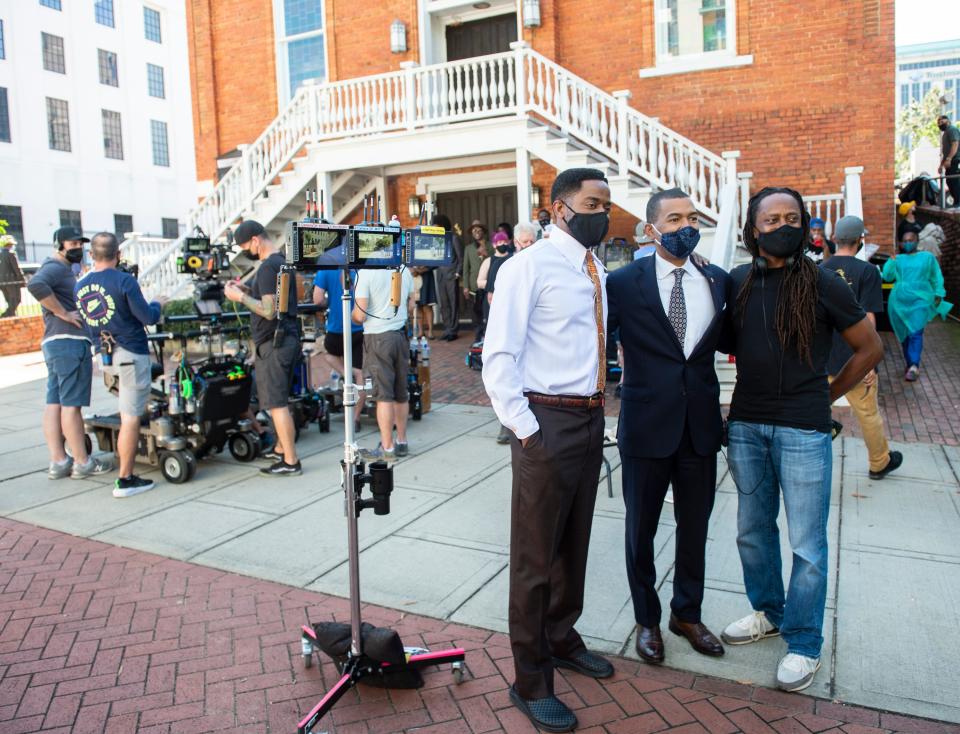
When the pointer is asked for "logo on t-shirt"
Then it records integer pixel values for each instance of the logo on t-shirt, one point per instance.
(97, 306)
(839, 271)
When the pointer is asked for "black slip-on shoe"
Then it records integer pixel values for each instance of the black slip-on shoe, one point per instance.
(282, 469)
(896, 459)
(586, 663)
(547, 714)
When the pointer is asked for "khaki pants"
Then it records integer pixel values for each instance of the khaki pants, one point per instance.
(863, 401)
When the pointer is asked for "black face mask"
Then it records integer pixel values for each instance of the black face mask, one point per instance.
(543, 222)
(781, 242)
(504, 249)
(588, 229)
(250, 255)
(74, 255)
(942, 126)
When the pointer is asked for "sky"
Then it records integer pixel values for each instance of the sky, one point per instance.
(926, 21)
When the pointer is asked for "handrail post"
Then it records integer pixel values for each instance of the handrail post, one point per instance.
(308, 87)
(246, 185)
(730, 168)
(852, 191)
(744, 179)
(409, 93)
(519, 49)
(623, 154)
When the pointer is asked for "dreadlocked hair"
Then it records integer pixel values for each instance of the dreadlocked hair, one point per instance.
(795, 318)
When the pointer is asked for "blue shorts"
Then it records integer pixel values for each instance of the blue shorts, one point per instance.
(69, 372)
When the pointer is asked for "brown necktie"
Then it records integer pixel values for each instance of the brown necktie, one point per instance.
(601, 330)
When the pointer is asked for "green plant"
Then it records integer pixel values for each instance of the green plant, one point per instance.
(3, 226)
(178, 307)
(917, 121)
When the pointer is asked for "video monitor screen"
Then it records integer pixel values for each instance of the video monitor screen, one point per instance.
(616, 255)
(374, 245)
(315, 242)
(197, 244)
(429, 246)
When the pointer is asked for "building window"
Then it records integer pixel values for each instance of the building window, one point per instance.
(300, 44)
(14, 217)
(112, 135)
(151, 24)
(122, 225)
(155, 86)
(690, 27)
(53, 58)
(171, 228)
(55, 4)
(58, 124)
(103, 12)
(3, 48)
(70, 218)
(161, 148)
(4, 117)
(904, 95)
(107, 61)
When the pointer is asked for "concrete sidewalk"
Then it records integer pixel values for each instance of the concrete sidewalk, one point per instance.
(892, 628)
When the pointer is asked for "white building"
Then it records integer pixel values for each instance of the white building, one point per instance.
(96, 127)
(925, 66)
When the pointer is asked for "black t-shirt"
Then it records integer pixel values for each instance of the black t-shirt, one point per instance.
(776, 386)
(264, 282)
(864, 280)
(495, 264)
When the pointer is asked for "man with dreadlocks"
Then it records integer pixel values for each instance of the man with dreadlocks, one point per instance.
(782, 325)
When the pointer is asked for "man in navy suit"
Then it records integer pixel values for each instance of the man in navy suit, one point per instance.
(670, 312)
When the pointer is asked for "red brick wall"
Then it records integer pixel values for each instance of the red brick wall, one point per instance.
(20, 334)
(950, 250)
(358, 37)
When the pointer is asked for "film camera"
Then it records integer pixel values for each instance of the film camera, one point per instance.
(204, 262)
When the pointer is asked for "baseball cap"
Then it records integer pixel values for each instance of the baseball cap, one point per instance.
(246, 231)
(66, 234)
(849, 228)
(639, 236)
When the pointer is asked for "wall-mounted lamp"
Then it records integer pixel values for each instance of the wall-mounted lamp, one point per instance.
(534, 197)
(413, 207)
(531, 13)
(398, 37)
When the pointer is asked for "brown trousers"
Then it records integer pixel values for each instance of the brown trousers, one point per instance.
(863, 403)
(554, 491)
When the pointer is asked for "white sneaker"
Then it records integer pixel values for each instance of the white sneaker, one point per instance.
(752, 628)
(796, 672)
(60, 470)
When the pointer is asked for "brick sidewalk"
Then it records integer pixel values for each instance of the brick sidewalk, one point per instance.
(95, 638)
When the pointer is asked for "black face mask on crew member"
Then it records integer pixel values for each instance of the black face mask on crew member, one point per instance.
(250, 255)
(74, 255)
(504, 249)
(588, 229)
(781, 242)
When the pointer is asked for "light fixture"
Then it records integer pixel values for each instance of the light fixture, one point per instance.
(413, 207)
(531, 13)
(481, 6)
(534, 197)
(398, 37)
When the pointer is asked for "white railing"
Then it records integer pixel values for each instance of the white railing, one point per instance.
(828, 207)
(157, 259)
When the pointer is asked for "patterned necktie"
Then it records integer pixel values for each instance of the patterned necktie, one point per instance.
(601, 329)
(677, 314)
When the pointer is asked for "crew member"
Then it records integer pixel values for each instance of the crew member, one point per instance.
(448, 278)
(11, 277)
(66, 350)
(115, 312)
(276, 340)
(544, 368)
(784, 315)
(670, 313)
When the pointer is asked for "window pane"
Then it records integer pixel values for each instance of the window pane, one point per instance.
(58, 124)
(4, 118)
(155, 86)
(55, 4)
(70, 218)
(112, 135)
(305, 61)
(690, 26)
(122, 224)
(301, 16)
(103, 12)
(151, 24)
(53, 58)
(3, 48)
(171, 228)
(107, 61)
(161, 150)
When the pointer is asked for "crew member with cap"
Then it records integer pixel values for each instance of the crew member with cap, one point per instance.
(819, 247)
(544, 368)
(66, 350)
(864, 280)
(276, 340)
(908, 219)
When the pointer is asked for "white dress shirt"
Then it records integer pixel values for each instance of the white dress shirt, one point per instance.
(696, 293)
(542, 330)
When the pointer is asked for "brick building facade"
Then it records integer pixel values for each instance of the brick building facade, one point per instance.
(802, 91)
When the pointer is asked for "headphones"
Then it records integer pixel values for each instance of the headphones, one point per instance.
(762, 266)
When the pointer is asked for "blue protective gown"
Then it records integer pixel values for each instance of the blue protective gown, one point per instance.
(917, 282)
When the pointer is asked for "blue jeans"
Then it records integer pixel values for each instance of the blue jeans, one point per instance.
(766, 460)
(913, 348)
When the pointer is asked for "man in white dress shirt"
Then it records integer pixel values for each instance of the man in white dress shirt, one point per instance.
(544, 368)
(670, 312)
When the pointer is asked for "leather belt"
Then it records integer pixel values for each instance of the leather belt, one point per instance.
(567, 401)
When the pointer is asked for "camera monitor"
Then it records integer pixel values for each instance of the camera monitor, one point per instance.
(376, 247)
(196, 244)
(318, 246)
(427, 247)
(616, 253)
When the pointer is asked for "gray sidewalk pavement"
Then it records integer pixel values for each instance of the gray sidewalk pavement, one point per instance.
(893, 620)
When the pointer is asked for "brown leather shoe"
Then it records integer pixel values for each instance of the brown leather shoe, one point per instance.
(650, 644)
(700, 638)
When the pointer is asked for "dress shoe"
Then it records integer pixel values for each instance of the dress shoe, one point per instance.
(700, 638)
(547, 714)
(649, 644)
(586, 663)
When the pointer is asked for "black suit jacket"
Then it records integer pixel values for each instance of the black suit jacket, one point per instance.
(662, 389)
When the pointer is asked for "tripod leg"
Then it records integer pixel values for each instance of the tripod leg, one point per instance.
(326, 703)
